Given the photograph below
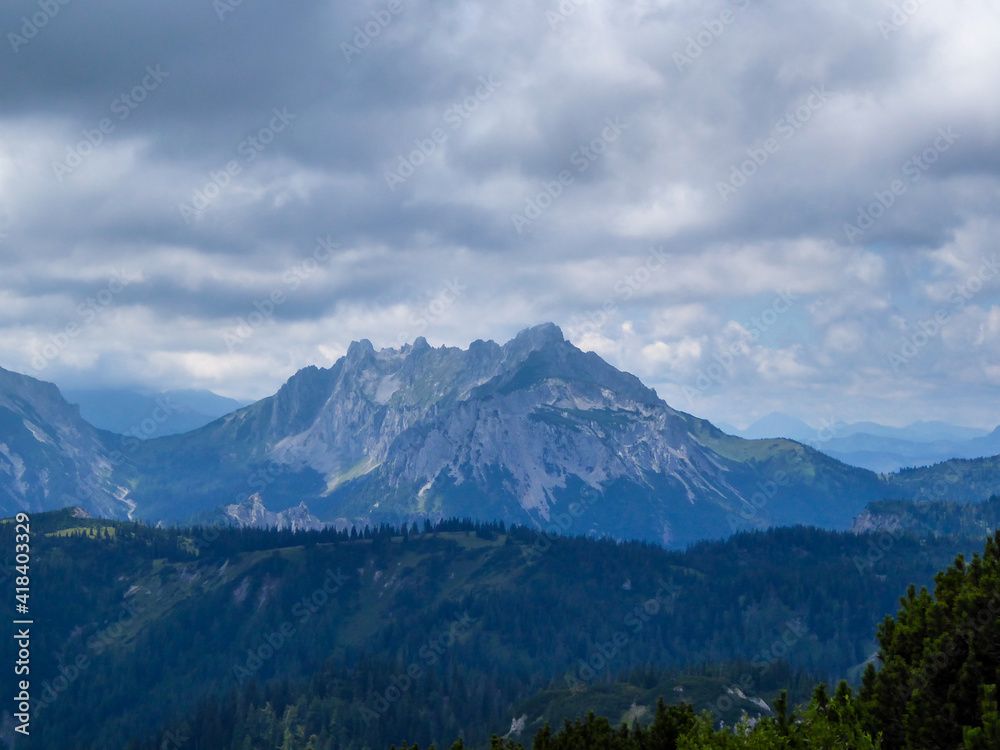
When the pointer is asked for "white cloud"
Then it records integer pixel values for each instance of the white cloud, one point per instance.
(580, 262)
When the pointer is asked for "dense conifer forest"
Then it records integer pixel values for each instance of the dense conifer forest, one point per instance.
(243, 638)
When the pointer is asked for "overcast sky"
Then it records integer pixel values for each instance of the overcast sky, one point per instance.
(752, 205)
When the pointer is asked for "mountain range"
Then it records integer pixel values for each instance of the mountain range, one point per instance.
(145, 415)
(534, 432)
(878, 447)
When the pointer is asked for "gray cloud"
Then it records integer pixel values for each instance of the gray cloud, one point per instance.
(747, 138)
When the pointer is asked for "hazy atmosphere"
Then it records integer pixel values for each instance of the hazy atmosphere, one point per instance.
(753, 206)
(361, 366)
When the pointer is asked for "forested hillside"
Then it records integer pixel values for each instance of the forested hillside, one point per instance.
(217, 631)
(936, 688)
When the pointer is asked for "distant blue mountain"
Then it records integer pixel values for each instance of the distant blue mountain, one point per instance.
(918, 432)
(778, 425)
(881, 448)
(147, 415)
(727, 428)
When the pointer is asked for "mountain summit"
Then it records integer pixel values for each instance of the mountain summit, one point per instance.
(534, 431)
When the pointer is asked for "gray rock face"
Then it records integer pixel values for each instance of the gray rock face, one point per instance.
(50, 457)
(870, 523)
(537, 407)
(252, 512)
(523, 428)
(532, 432)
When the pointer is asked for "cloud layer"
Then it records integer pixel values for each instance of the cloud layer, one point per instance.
(752, 205)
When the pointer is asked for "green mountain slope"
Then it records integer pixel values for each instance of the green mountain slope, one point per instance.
(146, 625)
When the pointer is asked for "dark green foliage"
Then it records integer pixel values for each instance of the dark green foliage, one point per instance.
(966, 480)
(939, 655)
(938, 518)
(467, 626)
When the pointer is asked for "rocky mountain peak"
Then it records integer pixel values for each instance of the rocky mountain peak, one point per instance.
(525, 431)
(536, 338)
(251, 512)
(358, 350)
